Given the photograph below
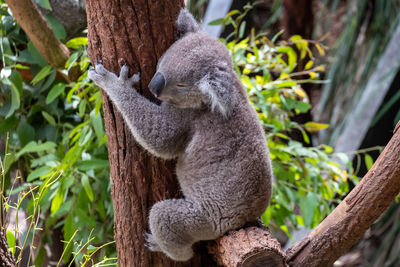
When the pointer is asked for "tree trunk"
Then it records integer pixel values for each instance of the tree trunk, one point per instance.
(6, 259)
(136, 33)
(355, 214)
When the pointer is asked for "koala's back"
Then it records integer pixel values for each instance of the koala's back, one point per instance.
(226, 167)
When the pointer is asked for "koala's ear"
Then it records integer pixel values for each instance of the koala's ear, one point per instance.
(217, 87)
(186, 23)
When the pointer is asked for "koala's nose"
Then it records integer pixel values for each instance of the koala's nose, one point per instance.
(157, 84)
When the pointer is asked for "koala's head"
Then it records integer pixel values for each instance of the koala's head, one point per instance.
(196, 71)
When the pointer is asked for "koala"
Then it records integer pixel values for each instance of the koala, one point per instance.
(206, 123)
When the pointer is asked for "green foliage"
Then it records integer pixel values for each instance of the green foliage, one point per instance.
(56, 140)
(56, 143)
(309, 183)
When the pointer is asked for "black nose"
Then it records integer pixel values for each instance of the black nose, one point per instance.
(157, 83)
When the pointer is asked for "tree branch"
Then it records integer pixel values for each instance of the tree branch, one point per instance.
(39, 32)
(358, 211)
(251, 246)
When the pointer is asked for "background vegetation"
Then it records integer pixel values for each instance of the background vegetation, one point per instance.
(53, 153)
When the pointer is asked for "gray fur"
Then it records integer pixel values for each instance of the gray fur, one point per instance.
(207, 124)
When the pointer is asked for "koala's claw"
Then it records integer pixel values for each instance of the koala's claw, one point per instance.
(107, 80)
(124, 75)
(151, 242)
(135, 78)
(100, 69)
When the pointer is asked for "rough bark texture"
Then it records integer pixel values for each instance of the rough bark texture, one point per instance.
(137, 33)
(39, 32)
(347, 223)
(248, 247)
(6, 259)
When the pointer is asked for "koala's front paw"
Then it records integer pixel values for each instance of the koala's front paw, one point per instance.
(151, 242)
(111, 82)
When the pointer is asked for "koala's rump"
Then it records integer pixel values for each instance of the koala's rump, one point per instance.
(227, 170)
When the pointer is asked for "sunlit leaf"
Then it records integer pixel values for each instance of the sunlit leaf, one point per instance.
(320, 50)
(57, 201)
(11, 241)
(312, 126)
(368, 161)
(87, 187)
(77, 42)
(43, 73)
(309, 65)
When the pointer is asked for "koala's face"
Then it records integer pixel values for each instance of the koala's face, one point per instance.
(186, 70)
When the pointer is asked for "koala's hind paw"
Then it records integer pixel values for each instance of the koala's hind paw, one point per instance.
(151, 242)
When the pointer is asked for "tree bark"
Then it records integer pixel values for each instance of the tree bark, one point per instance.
(136, 33)
(6, 259)
(252, 246)
(38, 30)
(362, 206)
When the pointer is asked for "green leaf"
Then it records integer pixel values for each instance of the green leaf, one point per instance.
(320, 50)
(8, 124)
(57, 201)
(11, 241)
(26, 133)
(35, 147)
(49, 118)
(87, 187)
(92, 164)
(296, 38)
(97, 123)
(368, 161)
(231, 13)
(55, 91)
(43, 73)
(312, 126)
(37, 57)
(15, 100)
(82, 107)
(292, 56)
(77, 42)
(38, 173)
(309, 65)
(72, 59)
(241, 29)
(217, 22)
(56, 26)
(307, 207)
(16, 79)
(69, 227)
(44, 3)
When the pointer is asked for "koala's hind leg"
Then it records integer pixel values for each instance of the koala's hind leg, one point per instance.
(176, 224)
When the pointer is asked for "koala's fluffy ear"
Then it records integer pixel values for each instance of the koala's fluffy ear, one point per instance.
(216, 85)
(186, 23)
